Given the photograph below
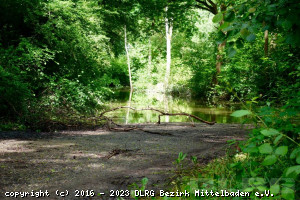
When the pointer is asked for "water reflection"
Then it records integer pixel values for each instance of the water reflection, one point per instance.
(220, 114)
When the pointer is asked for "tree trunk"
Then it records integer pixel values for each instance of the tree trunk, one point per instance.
(128, 109)
(169, 29)
(266, 46)
(166, 107)
(128, 59)
(219, 61)
(219, 52)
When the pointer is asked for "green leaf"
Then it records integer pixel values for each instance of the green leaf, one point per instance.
(217, 18)
(240, 113)
(229, 16)
(293, 169)
(251, 150)
(253, 174)
(144, 181)
(265, 149)
(288, 182)
(252, 10)
(294, 153)
(261, 188)
(274, 189)
(250, 37)
(231, 52)
(244, 32)
(224, 25)
(282, 150)
(250, 189)
(259, 181)
(288, 193)
(277, 139)
(269, 132)
(269, 160)
(298, 159)
(239, 44)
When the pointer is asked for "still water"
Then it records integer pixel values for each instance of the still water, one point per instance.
(218, 113)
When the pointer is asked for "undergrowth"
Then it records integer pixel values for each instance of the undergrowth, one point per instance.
(266, 166)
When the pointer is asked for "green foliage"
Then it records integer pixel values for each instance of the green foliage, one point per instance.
(240, 113)
(218, 18)
(270, 158)
(55, 59)
(68, 55)
(142, 187)
(244, 64)
(180, 158)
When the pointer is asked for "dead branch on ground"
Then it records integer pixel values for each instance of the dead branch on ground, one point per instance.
(162, 113)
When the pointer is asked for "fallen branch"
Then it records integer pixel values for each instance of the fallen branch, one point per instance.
(162, 113)
(117, 151)
(136, 128)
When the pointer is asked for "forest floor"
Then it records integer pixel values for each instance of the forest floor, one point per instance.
(104, 160)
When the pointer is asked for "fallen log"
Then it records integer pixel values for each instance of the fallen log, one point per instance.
(162, 113)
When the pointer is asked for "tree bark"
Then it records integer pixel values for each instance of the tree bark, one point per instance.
(169, 29)
(266, 46)
(219, 51)
(166, 107)
(219, 61)
(128, 110)
(128, 58)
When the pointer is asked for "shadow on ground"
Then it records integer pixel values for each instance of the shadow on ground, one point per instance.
(104, 160)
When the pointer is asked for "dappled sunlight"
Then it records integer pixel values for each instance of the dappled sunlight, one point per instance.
(208, 137)
(14, 146)
(81, 154)
(115, 158)
(96, 165)
(50, 160)
(57, 145)
(88, 133)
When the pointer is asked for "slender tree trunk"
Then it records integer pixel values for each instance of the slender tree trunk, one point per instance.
(166, 107)
(169, 29)
(266, 46)
(128, 59)
(149, 58)
(128, 109)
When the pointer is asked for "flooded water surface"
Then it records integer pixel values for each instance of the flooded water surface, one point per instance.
(218, 113)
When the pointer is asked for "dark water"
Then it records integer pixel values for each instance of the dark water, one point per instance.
(219, 113)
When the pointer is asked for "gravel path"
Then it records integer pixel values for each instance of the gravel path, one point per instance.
(104, 160)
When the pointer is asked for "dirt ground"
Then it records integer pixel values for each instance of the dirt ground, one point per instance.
(103, 160)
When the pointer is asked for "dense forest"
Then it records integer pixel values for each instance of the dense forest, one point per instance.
(62, 62)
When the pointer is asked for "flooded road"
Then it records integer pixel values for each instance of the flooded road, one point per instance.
(218, 113)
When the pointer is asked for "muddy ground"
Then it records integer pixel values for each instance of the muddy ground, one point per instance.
(103, 160)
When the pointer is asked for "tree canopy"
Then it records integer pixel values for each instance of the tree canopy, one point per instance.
(69, 54)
